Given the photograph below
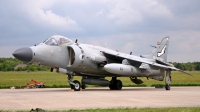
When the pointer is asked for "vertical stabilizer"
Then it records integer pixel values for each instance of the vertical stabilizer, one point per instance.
(160, 51)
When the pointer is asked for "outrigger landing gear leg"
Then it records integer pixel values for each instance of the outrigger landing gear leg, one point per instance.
(115, 84)
(168, 80)
(74, 84)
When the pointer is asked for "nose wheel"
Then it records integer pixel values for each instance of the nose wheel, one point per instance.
(75, 85)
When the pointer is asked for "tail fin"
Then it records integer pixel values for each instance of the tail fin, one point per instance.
(160, 51)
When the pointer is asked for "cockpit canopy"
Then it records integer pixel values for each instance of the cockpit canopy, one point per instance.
(58, 40)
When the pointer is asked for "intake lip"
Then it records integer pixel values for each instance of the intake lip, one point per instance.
(24, 54)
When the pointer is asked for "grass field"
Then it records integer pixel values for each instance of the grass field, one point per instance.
(8, 79)
(178, 109)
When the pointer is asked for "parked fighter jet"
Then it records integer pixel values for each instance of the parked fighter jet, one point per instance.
(94, 63)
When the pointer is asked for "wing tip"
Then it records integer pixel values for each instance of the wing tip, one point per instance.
(185, 72)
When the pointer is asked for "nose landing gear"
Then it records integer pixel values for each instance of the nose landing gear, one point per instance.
(75, 85)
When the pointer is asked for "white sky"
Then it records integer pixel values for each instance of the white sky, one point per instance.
(128, 25)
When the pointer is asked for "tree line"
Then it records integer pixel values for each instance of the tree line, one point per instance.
(189, 66)
(8, 64)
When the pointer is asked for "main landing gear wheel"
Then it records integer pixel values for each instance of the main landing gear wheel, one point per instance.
(111, 86)
(118, 85)
(115, 84)
(77, 85)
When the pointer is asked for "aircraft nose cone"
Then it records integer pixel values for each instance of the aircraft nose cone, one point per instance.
(24, 54)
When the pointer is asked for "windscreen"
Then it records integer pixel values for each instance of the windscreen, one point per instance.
(58, 40)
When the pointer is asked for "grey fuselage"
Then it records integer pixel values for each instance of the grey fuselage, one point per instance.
(86, 59)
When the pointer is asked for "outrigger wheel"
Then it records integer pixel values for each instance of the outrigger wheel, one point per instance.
(168, 79)
(167, 86)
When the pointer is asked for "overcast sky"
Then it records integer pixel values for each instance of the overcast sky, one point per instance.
(123, 25)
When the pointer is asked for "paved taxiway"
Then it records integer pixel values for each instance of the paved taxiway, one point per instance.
(63, 99)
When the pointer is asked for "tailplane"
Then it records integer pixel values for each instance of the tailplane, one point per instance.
(160, 51)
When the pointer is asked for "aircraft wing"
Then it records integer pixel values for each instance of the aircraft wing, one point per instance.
(135, 60)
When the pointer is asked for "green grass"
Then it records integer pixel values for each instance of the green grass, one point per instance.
(178, 109)
(175, 109)
(9, 79)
